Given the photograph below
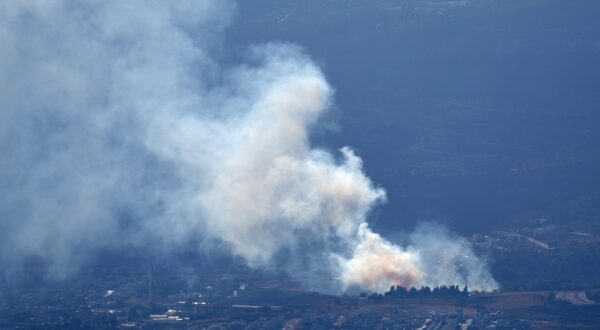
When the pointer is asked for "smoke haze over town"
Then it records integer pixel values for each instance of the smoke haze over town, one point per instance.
(120, 128)
(314, 164)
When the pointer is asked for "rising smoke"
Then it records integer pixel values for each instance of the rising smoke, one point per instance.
(118, 126)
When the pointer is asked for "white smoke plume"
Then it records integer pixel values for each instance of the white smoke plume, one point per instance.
(119, 126)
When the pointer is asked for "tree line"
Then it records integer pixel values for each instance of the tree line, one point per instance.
(398, 292)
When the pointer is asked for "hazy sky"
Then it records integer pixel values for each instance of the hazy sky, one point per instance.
(478, 114)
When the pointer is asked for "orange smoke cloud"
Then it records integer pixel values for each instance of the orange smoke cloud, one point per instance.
(377, 264)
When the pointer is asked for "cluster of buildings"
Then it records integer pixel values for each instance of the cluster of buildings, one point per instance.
(113, 309)
(163, 301)
(275, 318)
